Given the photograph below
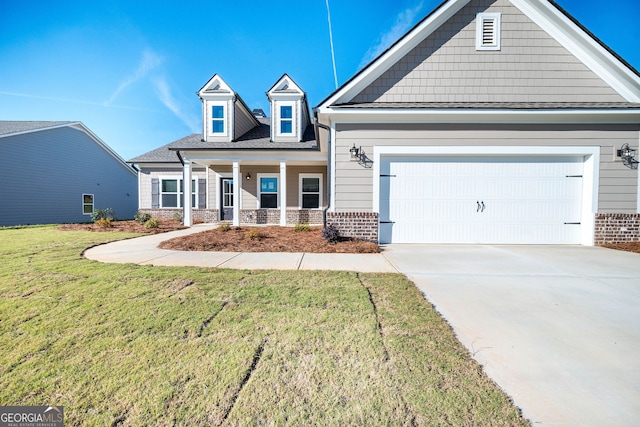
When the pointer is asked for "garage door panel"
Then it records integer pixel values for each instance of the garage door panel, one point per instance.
(481, 200)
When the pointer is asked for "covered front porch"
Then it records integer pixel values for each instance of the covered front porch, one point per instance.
(258, 188)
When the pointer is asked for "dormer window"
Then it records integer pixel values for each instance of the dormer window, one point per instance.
(217, 119)
(286, 119)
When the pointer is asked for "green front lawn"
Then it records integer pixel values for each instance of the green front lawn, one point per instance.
(132, 345)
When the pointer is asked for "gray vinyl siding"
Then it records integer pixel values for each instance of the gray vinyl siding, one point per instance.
(530, 67)
(243, 121)
(45, 173)
(618, 185)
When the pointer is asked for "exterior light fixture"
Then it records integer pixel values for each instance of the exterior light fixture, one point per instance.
(627, 154)
(355, 152)
(248, 177)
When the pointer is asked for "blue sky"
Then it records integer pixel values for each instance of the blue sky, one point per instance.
(129, 70)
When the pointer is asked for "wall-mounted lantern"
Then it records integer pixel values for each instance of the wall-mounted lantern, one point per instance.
(628, 154)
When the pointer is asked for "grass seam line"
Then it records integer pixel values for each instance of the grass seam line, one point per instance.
(375, 312)
(247, 376)
(210, 319)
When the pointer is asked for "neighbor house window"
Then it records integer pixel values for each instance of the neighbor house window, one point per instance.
(87, 204)
(217, 119)
(171, 193)
(286, 119)
(310, 191)
(268, 192)
(488, 31)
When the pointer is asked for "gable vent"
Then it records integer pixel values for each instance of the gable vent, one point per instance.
(488, 31)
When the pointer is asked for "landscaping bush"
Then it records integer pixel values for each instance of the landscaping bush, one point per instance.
(142, 217)
(225, 226)
(302, 227)
(254, 235)
(331, 233)
(152, 223)
(177, 216)
(107, 213)
(104, 223)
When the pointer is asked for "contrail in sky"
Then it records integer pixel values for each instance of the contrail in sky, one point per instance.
(333, 56)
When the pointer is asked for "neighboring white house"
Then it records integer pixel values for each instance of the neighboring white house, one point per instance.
(490, 121)
(244, 168)
(60, 172)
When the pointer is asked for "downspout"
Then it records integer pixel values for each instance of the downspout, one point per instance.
(323, 126)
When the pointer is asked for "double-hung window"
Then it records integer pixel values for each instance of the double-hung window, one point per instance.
(286, 119)
(172, 193)
(217, 119)
(87, 204)
(268, 192)
(310, 191)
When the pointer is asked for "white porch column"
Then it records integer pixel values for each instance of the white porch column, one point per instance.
(283, 193)
(237, 189)
(186, 189)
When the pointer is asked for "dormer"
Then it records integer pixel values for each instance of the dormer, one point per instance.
(225, 116)
(289, 111)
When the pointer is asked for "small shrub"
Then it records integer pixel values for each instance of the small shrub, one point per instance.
(142, 217)
(107, 213)
(254, 235)
(152, 223)
(225, 226)
(104, 223)
(331, 233)
(302, 227)
(177, 216)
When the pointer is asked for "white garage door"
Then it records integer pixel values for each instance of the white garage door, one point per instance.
(509, 200)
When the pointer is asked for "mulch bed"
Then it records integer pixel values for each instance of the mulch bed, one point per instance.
(126, 226)
(267, 239)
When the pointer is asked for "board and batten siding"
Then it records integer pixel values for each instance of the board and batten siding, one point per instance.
(45, 173)
(530, 66)
(618, 185)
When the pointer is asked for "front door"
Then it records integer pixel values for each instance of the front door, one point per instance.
(227, 199)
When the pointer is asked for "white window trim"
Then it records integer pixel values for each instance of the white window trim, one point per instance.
(225, 117)
(259, 193)
(480, 18)
(93, 203)
(320, 199)
(180, 194)
(294, 119)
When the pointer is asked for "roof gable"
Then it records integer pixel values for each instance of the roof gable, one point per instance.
(612, 78)
(215, 86)
(285, 86)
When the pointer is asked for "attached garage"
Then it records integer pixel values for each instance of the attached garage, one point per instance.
(493, 198)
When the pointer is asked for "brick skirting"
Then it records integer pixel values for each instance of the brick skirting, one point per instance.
(616, 228)
(247, 216)
(361, 225)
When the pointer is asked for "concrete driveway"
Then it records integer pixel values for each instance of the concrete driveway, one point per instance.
(557, 327)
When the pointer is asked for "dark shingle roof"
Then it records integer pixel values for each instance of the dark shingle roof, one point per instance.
(496, 105)
(8, 127)
(258, 138)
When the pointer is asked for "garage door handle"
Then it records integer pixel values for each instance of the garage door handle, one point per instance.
(480, 206)
(478, 210)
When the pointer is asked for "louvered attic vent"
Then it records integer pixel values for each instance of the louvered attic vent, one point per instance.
(488, 31)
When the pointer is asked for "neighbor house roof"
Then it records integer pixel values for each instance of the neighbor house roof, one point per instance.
(8, 127)
(257, 138)
(496, 105)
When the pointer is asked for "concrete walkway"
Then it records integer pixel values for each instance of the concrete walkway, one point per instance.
(557, 327)
(144, 251)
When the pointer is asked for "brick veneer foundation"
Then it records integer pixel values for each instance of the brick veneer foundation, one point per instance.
(361, 225)
(616, 228)
(247, 216)
(204, 215)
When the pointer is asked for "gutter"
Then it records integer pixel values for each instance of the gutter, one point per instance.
(323, 126)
